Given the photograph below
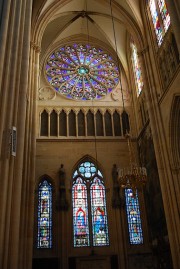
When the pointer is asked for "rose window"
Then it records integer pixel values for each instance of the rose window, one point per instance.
(82, 72)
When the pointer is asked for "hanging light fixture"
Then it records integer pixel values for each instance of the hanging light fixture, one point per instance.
(134, 176)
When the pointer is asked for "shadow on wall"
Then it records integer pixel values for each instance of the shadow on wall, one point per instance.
(157, 227)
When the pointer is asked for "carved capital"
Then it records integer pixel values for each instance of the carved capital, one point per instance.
(35, 47)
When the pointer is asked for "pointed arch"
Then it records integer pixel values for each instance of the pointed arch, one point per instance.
(99, 123)
(63, 123)
(108, 123)
(72, 123)
(90, 123)
(81, 123)
(53, 123)
(44, 123)
(44, 221)
(117, 123)
(125, 122)
(88, 195)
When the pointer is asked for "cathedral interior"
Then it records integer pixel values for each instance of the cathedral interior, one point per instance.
(90, 134)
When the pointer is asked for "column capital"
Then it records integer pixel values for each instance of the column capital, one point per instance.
(35, 47)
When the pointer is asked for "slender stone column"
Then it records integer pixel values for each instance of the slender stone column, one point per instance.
(15, 34)
(169, 193)
(8, 96)
(175, 21)
(4, 11)
(19, 118)
(28, 186)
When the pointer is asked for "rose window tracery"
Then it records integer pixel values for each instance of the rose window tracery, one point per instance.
(82, 72)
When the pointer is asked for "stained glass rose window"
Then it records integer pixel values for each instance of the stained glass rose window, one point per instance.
(82, 72)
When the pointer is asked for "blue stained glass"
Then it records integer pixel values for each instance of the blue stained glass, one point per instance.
(93, 65)
(133, 218)
(93, 169)
(99, 214)
(92, 194)
(87, 170)
(44, 238)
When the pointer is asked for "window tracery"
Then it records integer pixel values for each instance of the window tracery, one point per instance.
(82, 72)
(85, 123)
(160, 18)
(88, 191)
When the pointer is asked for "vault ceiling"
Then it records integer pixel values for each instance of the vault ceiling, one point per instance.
(88, 18)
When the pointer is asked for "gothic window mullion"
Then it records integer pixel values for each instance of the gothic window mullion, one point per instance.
(90, 226)
(90, 215)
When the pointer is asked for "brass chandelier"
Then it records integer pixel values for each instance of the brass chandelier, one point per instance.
(134, 176)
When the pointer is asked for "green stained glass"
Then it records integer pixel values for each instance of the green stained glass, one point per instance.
(83, 70)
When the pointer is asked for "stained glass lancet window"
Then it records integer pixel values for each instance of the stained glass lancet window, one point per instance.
(98, 213)
(164, 14)
(133, 217)
(160, 17)
(44, 239)
(156, 22)
(82, 71)
(80, 213)
(88, 195)
(137, 68)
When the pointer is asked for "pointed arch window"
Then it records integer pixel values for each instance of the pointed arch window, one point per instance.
(53, 123)
(133, 218)
(44, 123)
(160, 18)
(137, 68)
(44, 238)
(90, 225)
